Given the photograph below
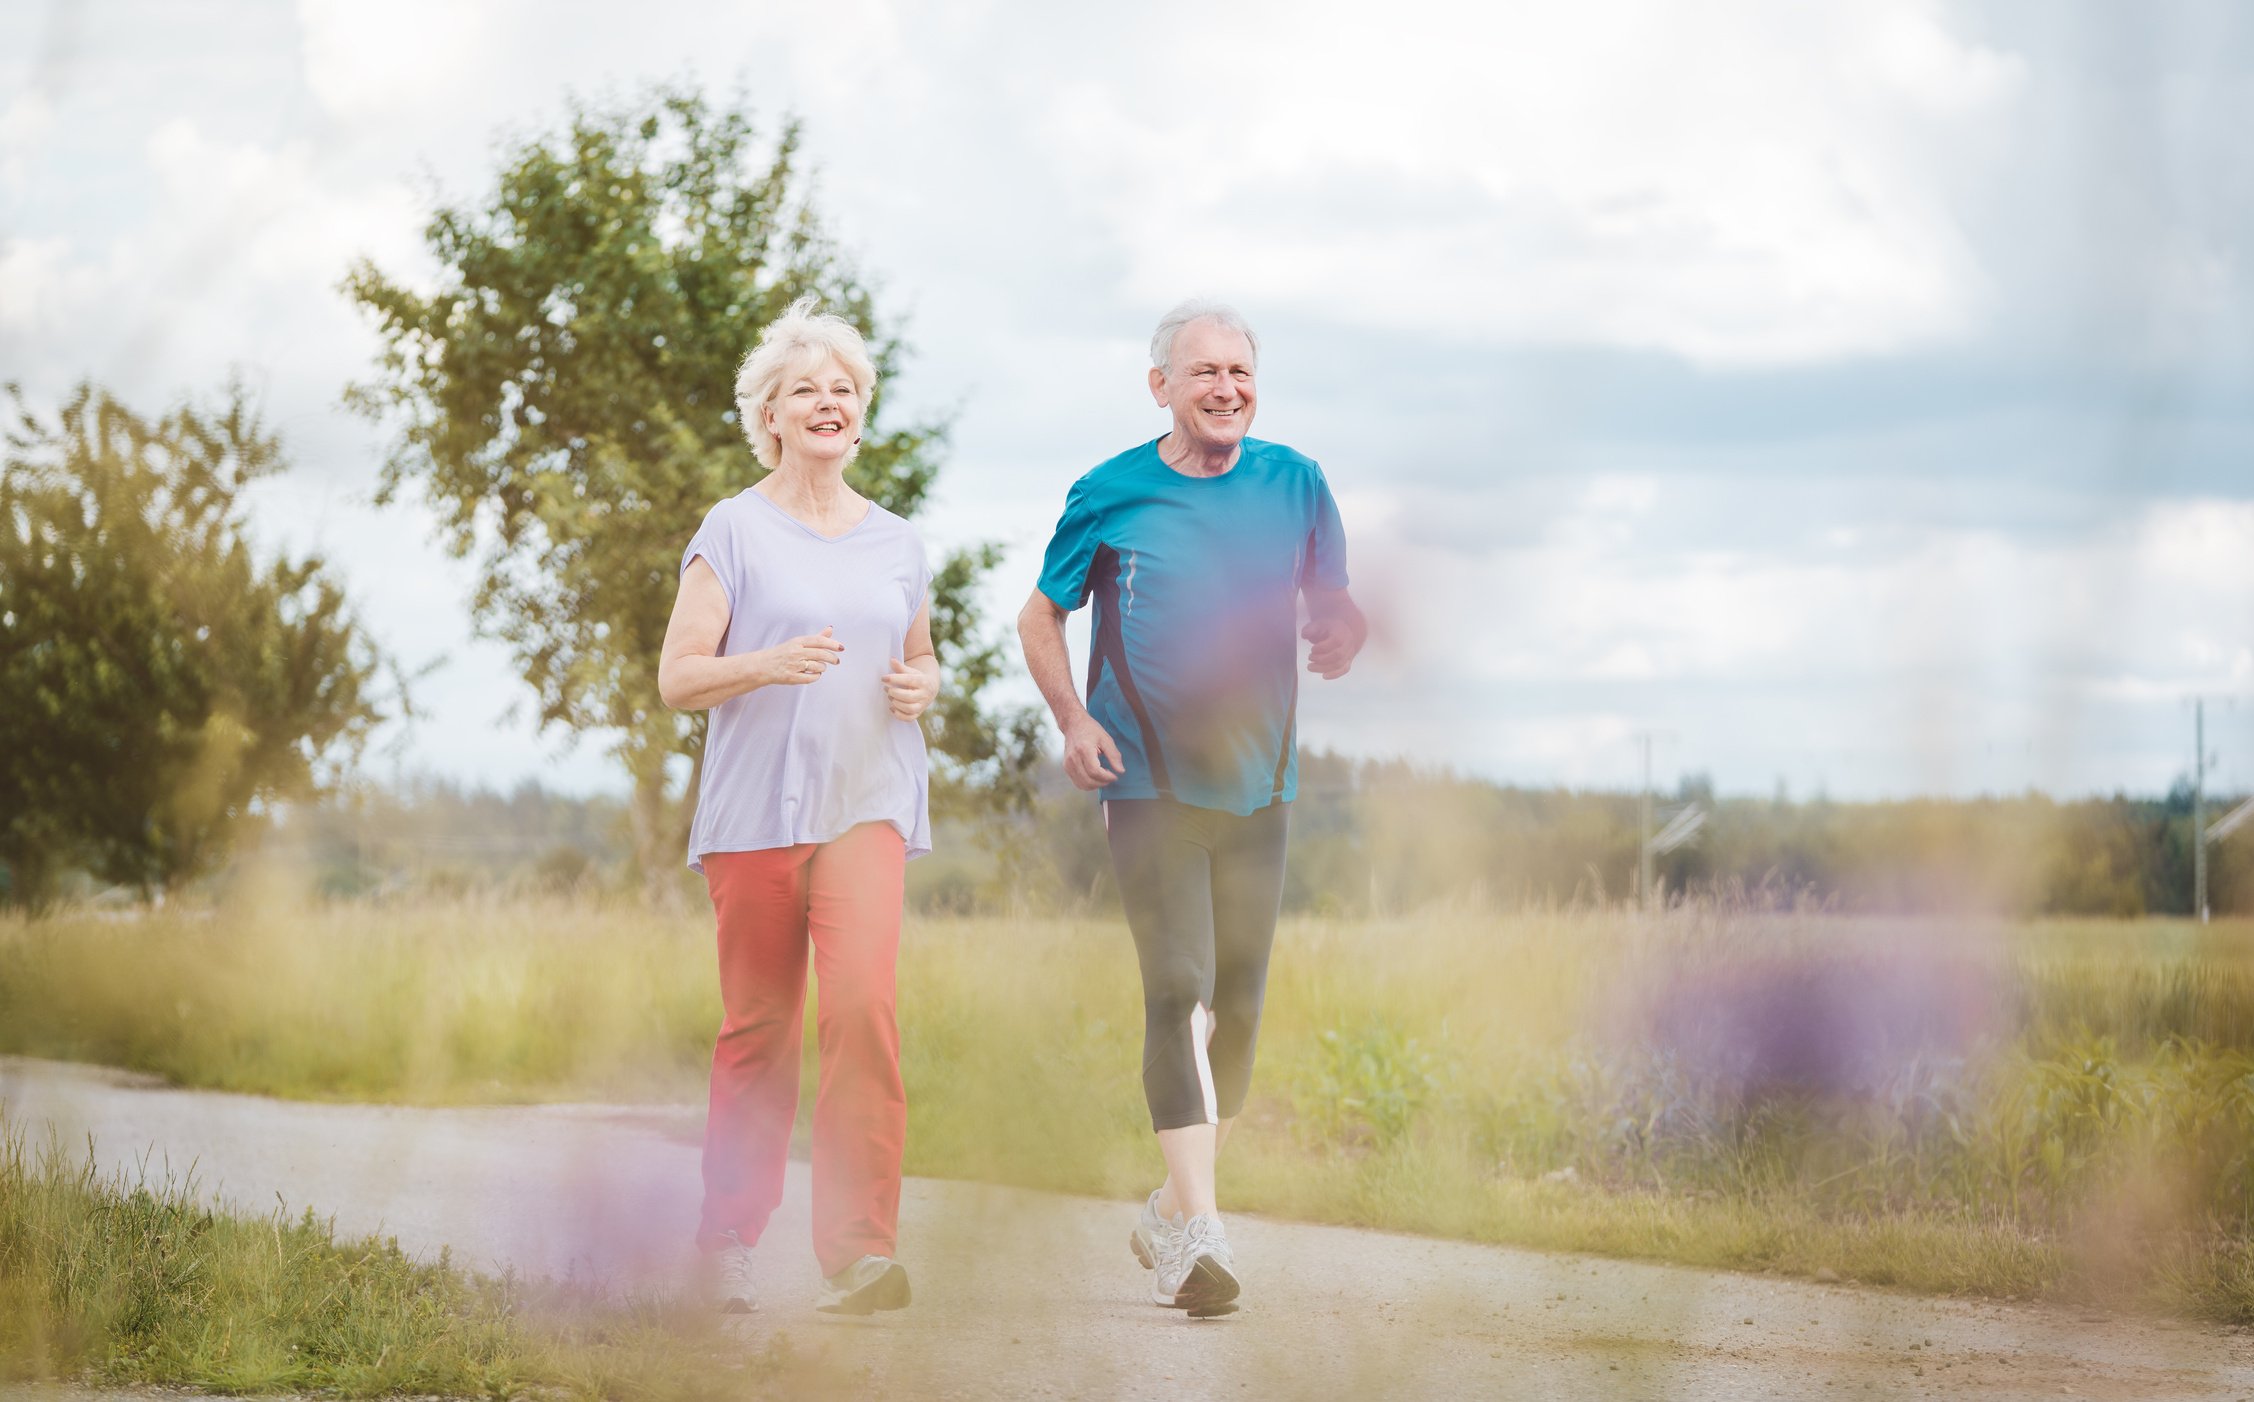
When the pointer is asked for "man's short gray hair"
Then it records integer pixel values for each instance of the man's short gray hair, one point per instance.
(1197, 309)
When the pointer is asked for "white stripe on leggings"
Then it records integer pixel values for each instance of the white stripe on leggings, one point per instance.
(1201, 1032)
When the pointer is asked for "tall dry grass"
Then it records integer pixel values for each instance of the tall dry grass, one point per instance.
(2060, 1108)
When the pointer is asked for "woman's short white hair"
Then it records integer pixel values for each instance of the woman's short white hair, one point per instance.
(793, 343)
(1198, 309)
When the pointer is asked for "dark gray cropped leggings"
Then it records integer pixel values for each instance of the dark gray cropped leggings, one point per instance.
(1201, 888)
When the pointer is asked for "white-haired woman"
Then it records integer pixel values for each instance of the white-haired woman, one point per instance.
(803, 625)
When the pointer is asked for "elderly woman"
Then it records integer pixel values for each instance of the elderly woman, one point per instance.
(1197, 547)
(803, 625)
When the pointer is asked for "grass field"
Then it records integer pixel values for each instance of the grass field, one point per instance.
(137, 1283)
(2062, 1110)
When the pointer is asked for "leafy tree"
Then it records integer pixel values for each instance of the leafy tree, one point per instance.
(564, 395)
(157, 683)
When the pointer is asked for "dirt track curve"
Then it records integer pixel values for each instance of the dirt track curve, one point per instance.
(1022, 1294)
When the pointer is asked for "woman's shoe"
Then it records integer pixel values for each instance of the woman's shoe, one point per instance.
(731, 1278)
(869, 1284)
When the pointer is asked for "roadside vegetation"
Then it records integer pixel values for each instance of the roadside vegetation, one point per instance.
(2060, 1110)
(134, 1282)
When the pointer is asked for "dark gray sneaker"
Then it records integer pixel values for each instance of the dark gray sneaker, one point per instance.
(1197, 1272)
(1152, 1233)
(870, 1284)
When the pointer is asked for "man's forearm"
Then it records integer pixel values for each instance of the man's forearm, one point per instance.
(1337, 606)
(1040, 632)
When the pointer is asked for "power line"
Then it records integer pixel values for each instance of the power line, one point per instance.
(2232, 821)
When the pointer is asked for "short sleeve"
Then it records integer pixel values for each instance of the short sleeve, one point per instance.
(1072, 550)
(716, 542)
(921, 573)
(1326, 542)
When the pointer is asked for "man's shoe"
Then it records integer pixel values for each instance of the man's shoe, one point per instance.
(869, 1284)
(1197, 1272)
(1152, 1233)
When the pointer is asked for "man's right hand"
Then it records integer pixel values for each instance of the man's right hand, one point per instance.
(1087, 751)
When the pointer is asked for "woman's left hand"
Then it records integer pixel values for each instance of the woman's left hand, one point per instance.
(910, 690)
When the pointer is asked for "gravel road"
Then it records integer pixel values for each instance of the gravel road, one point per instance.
(1022, 1294)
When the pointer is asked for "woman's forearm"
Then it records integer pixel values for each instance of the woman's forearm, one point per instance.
(693, 682)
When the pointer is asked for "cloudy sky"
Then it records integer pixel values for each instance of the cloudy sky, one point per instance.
(1861, 397)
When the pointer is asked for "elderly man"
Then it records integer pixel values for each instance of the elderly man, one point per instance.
(1197, 547)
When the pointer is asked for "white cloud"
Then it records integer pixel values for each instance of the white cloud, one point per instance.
(23, 124)
(1912, 52)
(1928, 655)
(1758, 183)
(447, 74)
(1574, 747)
(1616, 493)
(1744, 184)
(42, 288)
(2208, 544)
(369, 61)
(270, 215)
(234, 266)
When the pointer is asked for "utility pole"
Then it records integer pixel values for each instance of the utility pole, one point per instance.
(2199, 809)
(1643, 836)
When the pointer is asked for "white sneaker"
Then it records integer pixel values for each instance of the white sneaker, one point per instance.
(731, 1278)
(869, 1284)
(1197, 1272)
(1152, 1232)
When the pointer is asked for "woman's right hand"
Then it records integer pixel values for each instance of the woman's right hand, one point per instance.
(801, 660)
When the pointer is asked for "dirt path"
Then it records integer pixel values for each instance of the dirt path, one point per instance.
(1024, 1294)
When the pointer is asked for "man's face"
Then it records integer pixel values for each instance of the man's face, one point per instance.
(1209, 385)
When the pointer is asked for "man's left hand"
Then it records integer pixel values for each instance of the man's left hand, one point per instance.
(1336, 642)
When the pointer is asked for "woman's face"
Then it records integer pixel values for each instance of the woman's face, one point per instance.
(816, 415)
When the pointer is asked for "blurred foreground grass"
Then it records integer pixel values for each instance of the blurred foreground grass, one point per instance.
(129, 1282)
(2061, 1110)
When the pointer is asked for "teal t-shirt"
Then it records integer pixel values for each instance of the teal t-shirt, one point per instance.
(1194, 656)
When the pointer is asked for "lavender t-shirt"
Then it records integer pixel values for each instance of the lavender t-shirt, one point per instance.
(791, 764)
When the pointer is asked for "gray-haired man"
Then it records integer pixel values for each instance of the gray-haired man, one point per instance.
(1196, 548)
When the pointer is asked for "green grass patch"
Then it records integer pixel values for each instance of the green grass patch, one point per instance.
(2061, 1110)
(129, 1282)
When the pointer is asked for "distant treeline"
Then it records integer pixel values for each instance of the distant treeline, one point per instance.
(1372, 836)
(433, 836)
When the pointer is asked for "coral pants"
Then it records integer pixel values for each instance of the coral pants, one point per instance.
(843, 897)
